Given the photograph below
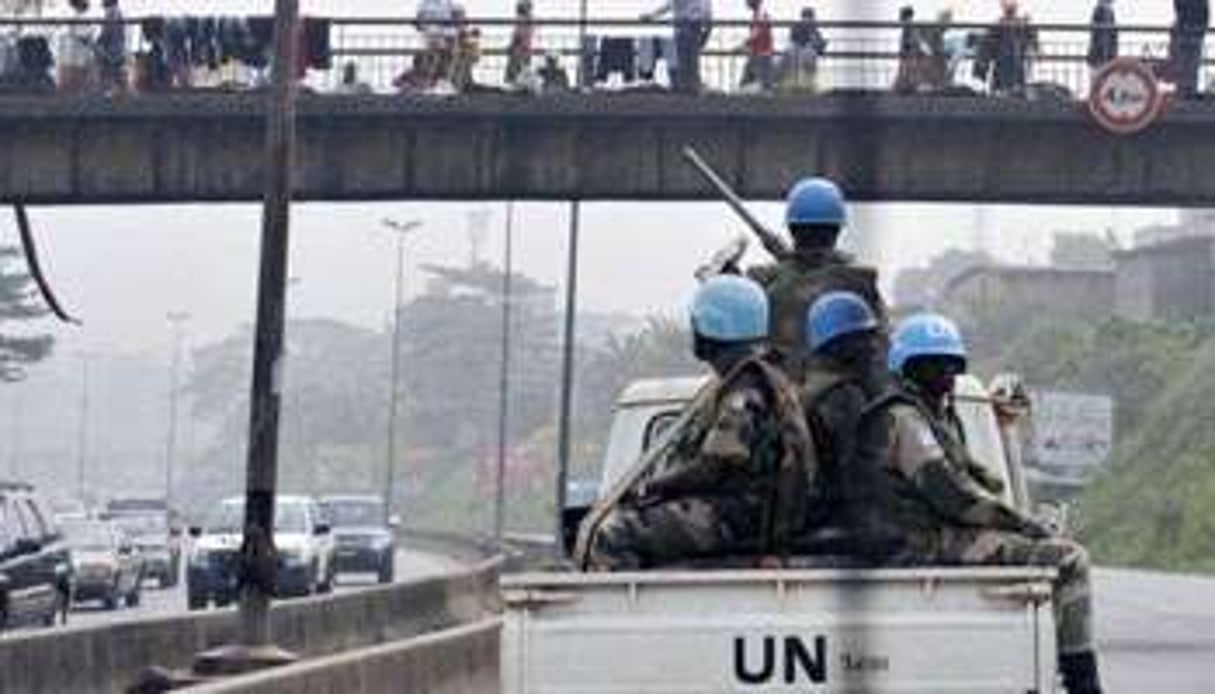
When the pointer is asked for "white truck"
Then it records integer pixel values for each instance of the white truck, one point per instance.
(806, 630)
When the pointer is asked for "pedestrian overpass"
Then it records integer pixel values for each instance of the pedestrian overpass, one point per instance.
(880, 146)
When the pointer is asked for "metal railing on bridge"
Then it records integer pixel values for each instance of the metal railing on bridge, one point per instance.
(391, 55)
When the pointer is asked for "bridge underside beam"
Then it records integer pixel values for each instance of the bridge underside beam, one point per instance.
(195, 148)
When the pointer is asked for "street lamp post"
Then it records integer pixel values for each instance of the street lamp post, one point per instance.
(504, 377)
(564, 433)
(16, 434)
(254, 648)
(177, 321)
(402, 230)
(82, 432)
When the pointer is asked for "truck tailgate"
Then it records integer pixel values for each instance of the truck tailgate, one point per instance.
(902, 630)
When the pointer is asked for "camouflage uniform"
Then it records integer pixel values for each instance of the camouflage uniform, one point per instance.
(734, 483)
(794, 283)
(926, 501)
(834, 397)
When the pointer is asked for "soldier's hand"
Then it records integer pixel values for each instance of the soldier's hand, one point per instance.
(1037, 530)
(986, 479)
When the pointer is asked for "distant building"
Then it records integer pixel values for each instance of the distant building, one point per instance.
(924, 287)
(1013, 290)
(1082, 251)
(1173, 279)
(1190, 223)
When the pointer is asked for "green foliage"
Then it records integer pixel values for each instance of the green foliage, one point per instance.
(18, 304)
(451, 362)
(662, 349)
(1154, 505)
(336, 398)
(1132, 362)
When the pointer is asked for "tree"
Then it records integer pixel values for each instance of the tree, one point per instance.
(663, 349)
(18, 304)
(452, 358)
(333, 415)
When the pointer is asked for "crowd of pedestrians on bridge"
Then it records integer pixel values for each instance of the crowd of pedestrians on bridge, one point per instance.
(933, 54)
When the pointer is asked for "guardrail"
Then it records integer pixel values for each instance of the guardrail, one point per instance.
(463, 660)
(111, 658)
(385, 52)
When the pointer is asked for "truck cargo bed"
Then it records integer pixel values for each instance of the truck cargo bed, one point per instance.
(887, 630)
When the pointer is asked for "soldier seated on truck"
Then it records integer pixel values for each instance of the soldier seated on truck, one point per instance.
(735, 480)
(845, 339)
(916, 497)
(816, 214)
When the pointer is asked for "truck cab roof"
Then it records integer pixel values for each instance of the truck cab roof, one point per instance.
(656, 391)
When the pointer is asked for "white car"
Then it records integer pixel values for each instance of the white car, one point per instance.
(302, 539)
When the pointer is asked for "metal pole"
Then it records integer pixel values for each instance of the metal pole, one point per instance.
(82, 442)
(18, 425)
(176, 319)
(257, 550)
(390, 463)
(504, 378)
(584, 68)
(567, 365)
(398, 290)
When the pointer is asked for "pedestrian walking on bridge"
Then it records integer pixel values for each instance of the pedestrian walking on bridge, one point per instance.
(1103, 37)
(693, 22)
(1186, 44)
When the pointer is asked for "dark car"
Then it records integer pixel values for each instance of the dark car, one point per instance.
(155, 529)
(35, 564)
(106, 564)
(364, 535)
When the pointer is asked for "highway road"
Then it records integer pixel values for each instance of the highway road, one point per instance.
(411, 565)
(1156, 631)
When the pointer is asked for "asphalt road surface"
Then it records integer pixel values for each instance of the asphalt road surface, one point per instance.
(1156, 631)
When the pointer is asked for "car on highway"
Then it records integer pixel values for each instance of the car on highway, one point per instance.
(35, 565)
(364, 535)
(106, 564)
(302, 538)
(158, 542)
(65, 509)
(156, 530)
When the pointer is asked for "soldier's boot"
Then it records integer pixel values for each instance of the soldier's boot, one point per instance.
(1079, 672)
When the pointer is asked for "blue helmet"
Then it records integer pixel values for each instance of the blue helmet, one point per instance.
(815, 201)
(730, 309)
(925, 335)
(836, 314)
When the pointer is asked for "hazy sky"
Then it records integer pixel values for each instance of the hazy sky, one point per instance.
(121, 269)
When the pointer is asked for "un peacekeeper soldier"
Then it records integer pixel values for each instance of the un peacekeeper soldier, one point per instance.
(844, 337)
(815, 214)
(928, 502)
(736, 480)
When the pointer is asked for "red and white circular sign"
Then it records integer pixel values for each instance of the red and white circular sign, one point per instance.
(1125, 97)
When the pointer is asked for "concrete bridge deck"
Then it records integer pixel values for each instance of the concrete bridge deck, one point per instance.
(208, 147)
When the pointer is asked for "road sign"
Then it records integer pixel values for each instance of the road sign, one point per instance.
(1125, 97)
(1072, 432)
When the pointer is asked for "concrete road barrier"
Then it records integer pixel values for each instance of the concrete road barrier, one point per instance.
(462, 660)
(109, 658)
